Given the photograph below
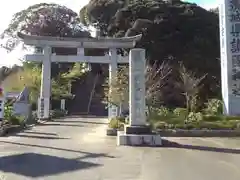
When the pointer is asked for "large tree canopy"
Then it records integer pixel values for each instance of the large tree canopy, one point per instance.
(175, 31)
(45, 20)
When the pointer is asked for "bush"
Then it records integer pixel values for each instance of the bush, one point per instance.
(213, 118)
(163, 111)
(11, 118)
(160, 125)
(180, 112)
(121, 119)
(231, 117)
(115, 123)
(57, 113)
(214, 107)
(194, 117)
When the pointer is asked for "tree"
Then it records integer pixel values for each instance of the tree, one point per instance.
(174, 31)
(30, 76)
(92, 13)
(155, 77)
(190, 85)
(44, 20)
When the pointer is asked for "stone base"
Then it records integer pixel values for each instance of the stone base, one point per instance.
(148, 140)
(137, 129)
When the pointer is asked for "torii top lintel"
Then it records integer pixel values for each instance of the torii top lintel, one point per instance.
(101, 42)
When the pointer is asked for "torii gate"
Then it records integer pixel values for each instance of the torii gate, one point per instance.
(136, 62)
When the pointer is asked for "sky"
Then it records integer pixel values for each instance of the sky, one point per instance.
(10, 7)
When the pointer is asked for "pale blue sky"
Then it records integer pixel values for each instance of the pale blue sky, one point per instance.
(10, 7)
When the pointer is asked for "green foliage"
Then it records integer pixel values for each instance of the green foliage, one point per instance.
(180, 119)
(115, 123)
(191, 30)
(194, 117)
(45, 20)
(11, 118)
(214, 107)
(213, 118)
(119, 92)
(160, 125)
(180, 112)
(30, 77)
(163, 111)
(58, 113)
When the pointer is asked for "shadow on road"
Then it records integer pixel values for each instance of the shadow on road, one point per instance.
(171, 144)
(38, 165)
(84, 122)
(60, 124)
(85, 116)
(40, 133)
(38, 137)
(53, 148)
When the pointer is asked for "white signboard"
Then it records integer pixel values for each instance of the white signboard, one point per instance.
(63, 102)
(21, 108)
(229, 18)
(42, 109)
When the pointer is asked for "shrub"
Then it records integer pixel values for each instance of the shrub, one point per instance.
(115, 123)
(121, 119)
(194, 117)
(163, 111)
(232, 118)
(11, 118)
(57, 113)
(160, 125)
(213, 118)
(217, 125)
(214, 107)
(180, 112)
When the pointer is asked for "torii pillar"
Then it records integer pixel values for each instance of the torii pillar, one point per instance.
(45, 91)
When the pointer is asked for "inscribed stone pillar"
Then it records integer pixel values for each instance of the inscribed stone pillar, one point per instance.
(112, 109)
(137, 87)
(45, 92)
(230, 55)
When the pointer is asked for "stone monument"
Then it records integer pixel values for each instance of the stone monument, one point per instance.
(229, 18)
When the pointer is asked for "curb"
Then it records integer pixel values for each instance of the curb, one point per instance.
(199, 133)
(187, 133)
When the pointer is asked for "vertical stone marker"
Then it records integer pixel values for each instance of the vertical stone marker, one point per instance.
(229, 18)
(137, 87)
(137, 132)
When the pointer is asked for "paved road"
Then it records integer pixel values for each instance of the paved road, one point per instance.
(76, 148)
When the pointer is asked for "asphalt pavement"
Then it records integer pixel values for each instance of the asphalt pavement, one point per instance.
(77, 148)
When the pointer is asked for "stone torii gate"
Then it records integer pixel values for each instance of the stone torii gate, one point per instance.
(47, 57)
(137, 132)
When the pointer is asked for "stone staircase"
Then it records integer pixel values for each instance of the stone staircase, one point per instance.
(88, 101)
